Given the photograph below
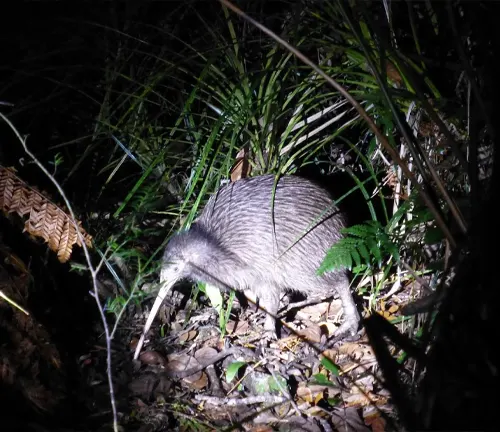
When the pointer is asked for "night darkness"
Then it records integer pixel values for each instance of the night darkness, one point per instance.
(70, 74)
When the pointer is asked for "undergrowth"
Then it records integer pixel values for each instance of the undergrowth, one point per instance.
(167, 107)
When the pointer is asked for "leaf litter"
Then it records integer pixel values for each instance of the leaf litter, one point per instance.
(244, 382)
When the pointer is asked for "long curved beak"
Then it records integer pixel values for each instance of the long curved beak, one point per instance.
(166, 286)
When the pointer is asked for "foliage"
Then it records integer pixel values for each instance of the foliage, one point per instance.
(366, 245)
(145, 122)
(165, 108)
(233, 369)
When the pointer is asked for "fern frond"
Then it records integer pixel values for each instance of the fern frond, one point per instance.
(365, 244)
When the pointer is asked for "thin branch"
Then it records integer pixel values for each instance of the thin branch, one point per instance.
(93, 272)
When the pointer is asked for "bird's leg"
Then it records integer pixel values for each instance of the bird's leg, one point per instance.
(252, 298)
(351, 315)
(269, 300)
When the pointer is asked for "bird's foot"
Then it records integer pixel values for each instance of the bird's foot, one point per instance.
(348, 331)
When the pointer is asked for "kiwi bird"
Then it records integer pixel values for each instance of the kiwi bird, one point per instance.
(263, 238)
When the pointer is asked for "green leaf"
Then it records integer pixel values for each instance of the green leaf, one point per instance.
(334, 401)
(277, 383)
(224, 316)
(374, 249)
(215, 297)
(338, 256)
(364, 253)
(264, 384)
(321, 379)
(392, 248)
(330, 366)
(356, 256)
(233, 369)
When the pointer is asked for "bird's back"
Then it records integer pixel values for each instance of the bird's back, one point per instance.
(287, 242)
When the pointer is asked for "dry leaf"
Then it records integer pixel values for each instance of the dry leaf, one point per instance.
(44, 218)
(309, 392)
(200, 383)
(241, 167)
(393, 74)
(262, 428)
(348, 420)
(149, 384)
(283, 409)
(360, 399)
(364, 384)
(394, 308)
(133, 343)
(152, 358)
(318, 398)
(180, 363)
(238, 328)
(328, 328)
(187, 336)
(312, 334)
(304, 394)
(205, 354)
(355, 350)
(313, 312)
(388, 316)
(375, 420)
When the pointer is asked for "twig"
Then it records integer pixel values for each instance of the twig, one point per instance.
(212, 360)
(93, 271)
(301, 304)
(243, 401)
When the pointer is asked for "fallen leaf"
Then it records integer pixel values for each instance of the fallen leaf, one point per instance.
(232, 370)
(301, 424)
(205, 354)
(152, 358)
(313, 312)
(187, 336)
(348, 420)
(330, 365)
(241, 167)
(237, 328)
(388, 316)
(364, 384)
(328, 328)
(180, 363)
(133, 343)
(200, 383)
(355, 350)
(394, 308)
(283, 409)
(359, 399)
(304, 394)
(262, 428)
(318, 398)
(149, 384)
(312, 334)
(375, 420)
